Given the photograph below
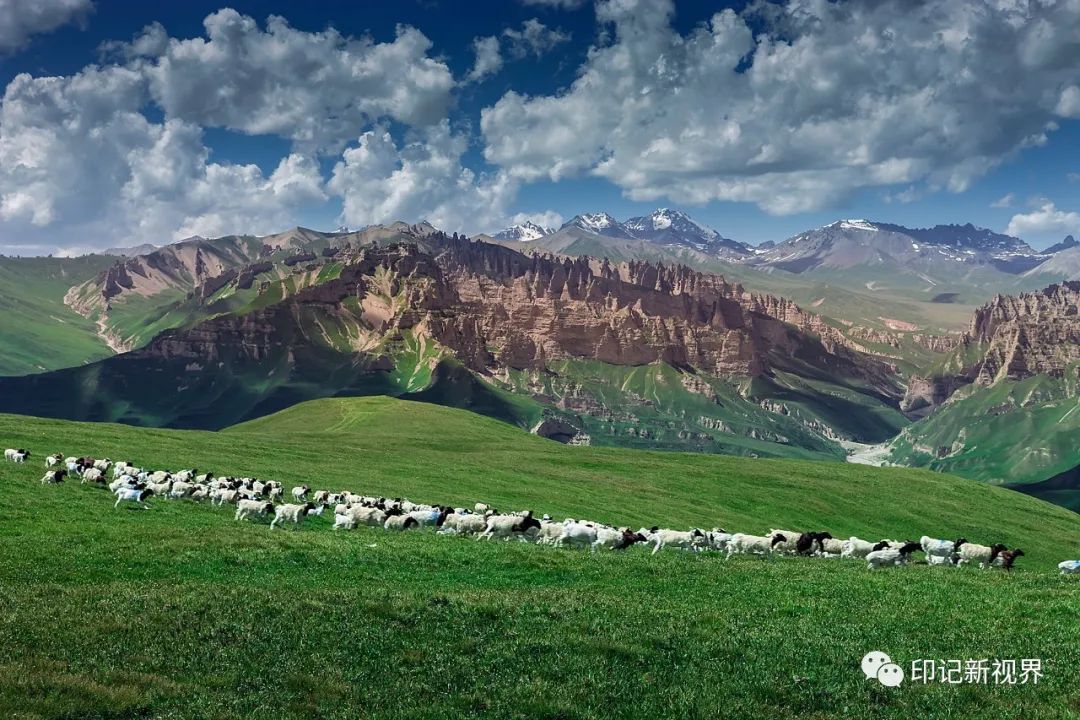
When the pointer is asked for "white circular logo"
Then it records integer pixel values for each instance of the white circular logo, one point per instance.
(873, 661)
(890, 675)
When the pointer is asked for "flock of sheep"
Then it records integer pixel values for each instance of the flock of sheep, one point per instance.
(256, 498)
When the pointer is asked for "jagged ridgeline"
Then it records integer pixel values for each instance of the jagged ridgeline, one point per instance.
(585, 350)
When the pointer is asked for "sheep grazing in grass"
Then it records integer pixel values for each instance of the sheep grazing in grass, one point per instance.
(887, 556)
(857, 548)
(743, 544)
(682, 539)
(471, 524)
(300, 492)
(401, 522)
(831, 547)
(616, 539)
(575, 534)
(135, 495)
(53, 477)
(93, 475)
(16, 456)
(247, 508)
(984, 555)
(290, 513)
(1069, 567)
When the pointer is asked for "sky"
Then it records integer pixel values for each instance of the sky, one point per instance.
(126, 122)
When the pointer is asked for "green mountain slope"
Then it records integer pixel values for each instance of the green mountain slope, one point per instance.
(37, 331)
(180, 611)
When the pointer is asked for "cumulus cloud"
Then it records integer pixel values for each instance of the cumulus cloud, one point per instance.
(1045, 222)
(546, 219)
(82, 162)
(795, 106)
(488, 58)
(22, 19)
(533, 38)
(422, 178)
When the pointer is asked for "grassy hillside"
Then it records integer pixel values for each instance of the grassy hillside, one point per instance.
(38, 331)
(1014, 432)
(180, 612)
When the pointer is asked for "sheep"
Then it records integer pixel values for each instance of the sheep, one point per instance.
(470, 524)
(434, 517)
(939, 552)
(549, 531)
(180, 489)
(291, 512)
(344, 522)
(831, 547)
(16, 456)
(506, 526)
(741, 543)
(616, 539)
(788, 545)
(103, 465)
(200, 493)
(806, 542)
(53, 477)
(687, 540)
(160, 488)
(93, 475)
(245, 508)
(577, 533)
(1006, 558)
(716, 539)
(300, 492)
(972, 552)
(185, 475)
(126, 494)
(854, 547)
(223, 496)
(1069, 567)
(891, 555)
(53, 460)
(480, 508)
(401, 522)
(122, 481)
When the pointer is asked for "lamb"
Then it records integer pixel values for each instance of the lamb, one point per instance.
(973, 552)
(53, 477)
(891, 556)
(506, 526)
(290, 512)
(300, 492)
(687, 540)
(939, 552)
(1006, 558)
(741, 543)
(126, 494)
(1069, 567)
(246, 508)
(16, 456)
(401, 522)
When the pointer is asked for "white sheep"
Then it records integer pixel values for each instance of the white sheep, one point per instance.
(290, 512)
(576, 534)
(938, 552)
(832, 547)
(246, 508)
(300, 492)
(92, 475)
(344, 522)
(470, 524)
(743, 544)
(616, 538)
(126, 494)
(787, 545)
(506, 526)
(16, 456)
(687, 540)
(984, 555)
(1069, 567)
(181, 489)
(891, 556)
(53, 477)
(53, 460)
(401, 522)
(854, 547)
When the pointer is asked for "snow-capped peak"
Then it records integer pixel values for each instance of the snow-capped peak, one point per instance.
(854, 224)
(524, 232)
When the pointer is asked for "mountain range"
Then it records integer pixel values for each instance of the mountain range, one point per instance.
(654, 332)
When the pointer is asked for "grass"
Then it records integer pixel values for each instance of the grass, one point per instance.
(179, 612)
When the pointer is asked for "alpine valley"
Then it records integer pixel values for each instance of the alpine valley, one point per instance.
(952, 347)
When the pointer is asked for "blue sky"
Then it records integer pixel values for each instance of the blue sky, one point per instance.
(810, 136)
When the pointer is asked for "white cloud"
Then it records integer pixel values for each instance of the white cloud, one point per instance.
(818, 100)
(313, 88)
(1046, 222)
(423, 178)
(534, 38)
(488, 58)
(1006, 200)
(546, 219)
(22, 19)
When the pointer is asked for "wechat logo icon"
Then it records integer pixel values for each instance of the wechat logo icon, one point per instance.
(880, 666)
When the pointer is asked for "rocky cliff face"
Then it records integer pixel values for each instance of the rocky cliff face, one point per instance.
(1010, 338)
(492, 308)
